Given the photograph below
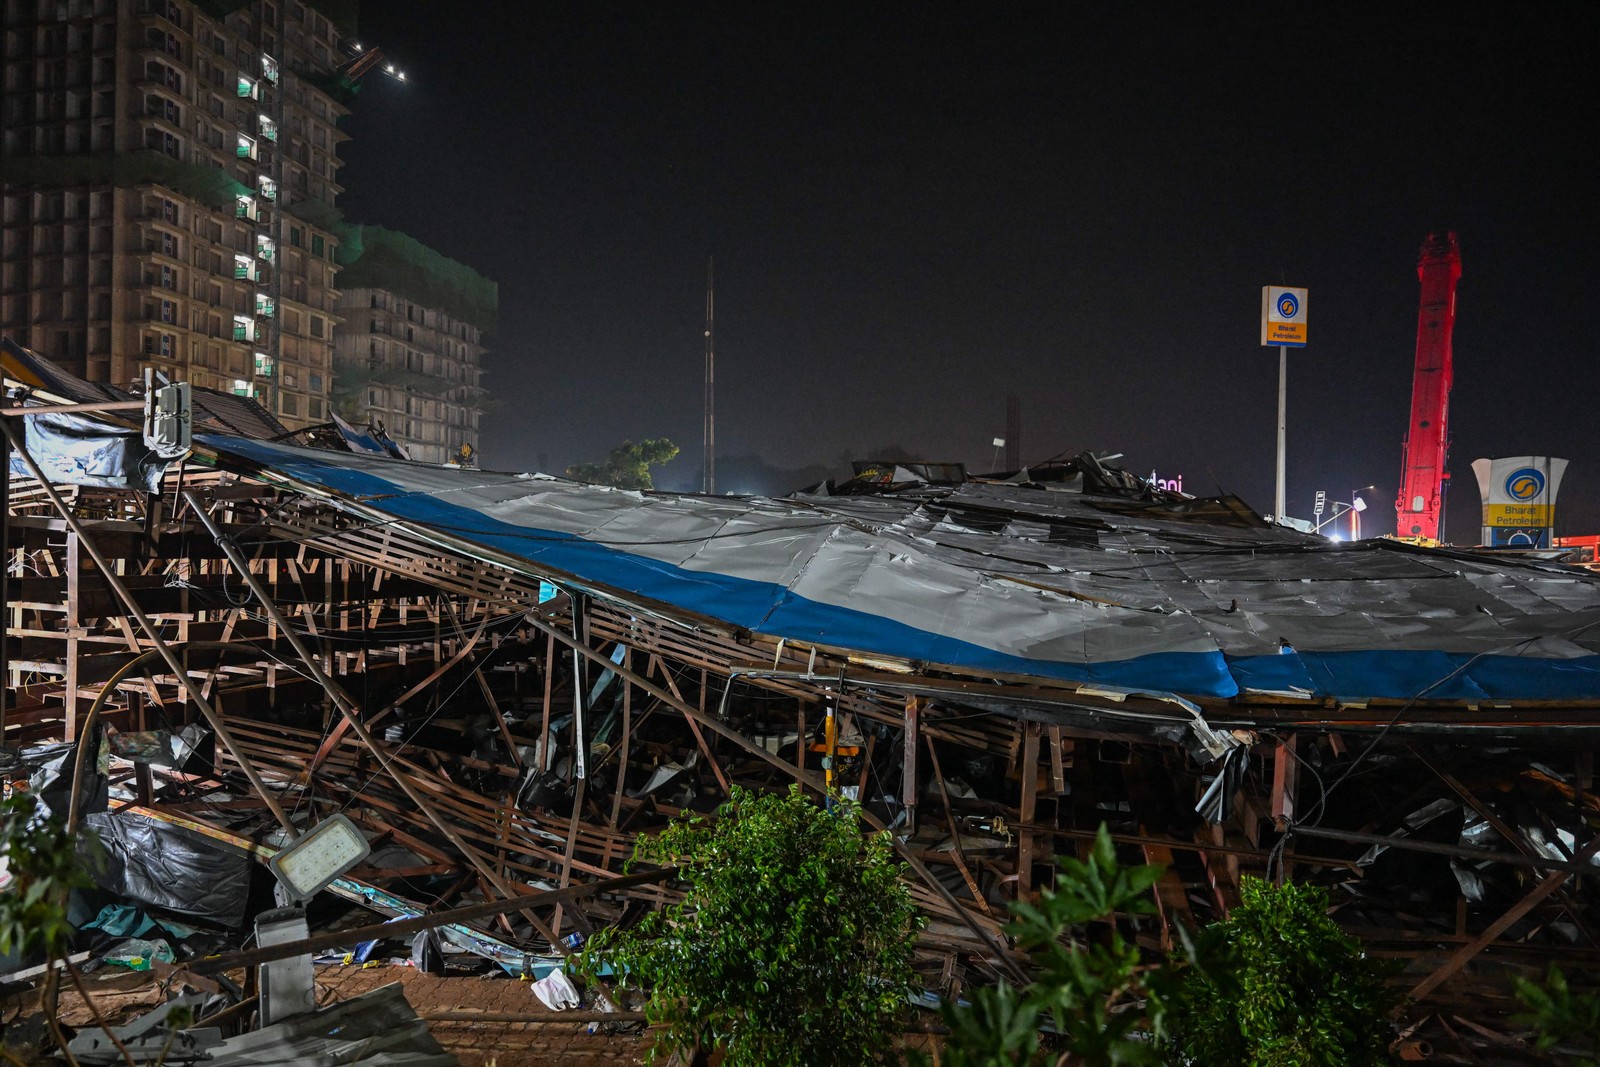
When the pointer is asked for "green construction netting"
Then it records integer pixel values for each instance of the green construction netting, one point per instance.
(209, 185)
(371, 257)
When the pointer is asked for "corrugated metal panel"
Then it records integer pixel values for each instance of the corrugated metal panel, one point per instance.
(1151, 602)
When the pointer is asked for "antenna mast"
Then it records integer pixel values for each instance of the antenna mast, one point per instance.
(708, 479)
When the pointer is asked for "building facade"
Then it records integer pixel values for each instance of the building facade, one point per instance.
(170, 177)
(415, 369)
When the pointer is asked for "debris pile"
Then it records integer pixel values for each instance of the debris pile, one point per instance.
(499, 681)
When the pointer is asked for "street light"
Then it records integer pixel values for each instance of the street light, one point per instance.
(1340, 509)
(1357, 506)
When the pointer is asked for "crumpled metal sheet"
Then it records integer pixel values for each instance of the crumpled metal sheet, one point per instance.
(1021, 580)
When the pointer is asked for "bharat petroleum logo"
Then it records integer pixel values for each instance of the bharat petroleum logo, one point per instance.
(1288, 306)
(1525, 483)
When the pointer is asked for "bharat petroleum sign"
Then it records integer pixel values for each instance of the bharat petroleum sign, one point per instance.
(1283, 316)
(1519, 499)
(1525, 483)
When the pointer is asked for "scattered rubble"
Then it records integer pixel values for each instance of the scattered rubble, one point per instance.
(502, 680)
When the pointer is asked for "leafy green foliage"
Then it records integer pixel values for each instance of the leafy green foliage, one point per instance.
(43, 862)
(1560, 1018)
(1307, 996)
(793, 945)
(1105, 1005)
(628, 466)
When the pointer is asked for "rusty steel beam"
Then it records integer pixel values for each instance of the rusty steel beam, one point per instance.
(213, 719)
(1001, 955)
(1467, 952)
(352, 715)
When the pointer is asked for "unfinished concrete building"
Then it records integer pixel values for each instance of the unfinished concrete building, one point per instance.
(409, 347)
(171, 171)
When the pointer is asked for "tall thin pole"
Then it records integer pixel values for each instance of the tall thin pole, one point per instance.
(708, 480)
(1283, 426)
(5, 571)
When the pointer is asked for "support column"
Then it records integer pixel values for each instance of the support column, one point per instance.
(5, 577)
(908, 778)
(74, 631)
(1026, 838)
(1285, 784)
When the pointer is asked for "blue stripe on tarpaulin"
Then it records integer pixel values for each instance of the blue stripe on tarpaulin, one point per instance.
(761, 607)
(1424, 674)
(772, 609)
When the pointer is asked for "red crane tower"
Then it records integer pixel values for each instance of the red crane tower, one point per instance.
(1423, 477)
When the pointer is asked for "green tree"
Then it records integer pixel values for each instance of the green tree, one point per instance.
(1561, 1020)
(792, 946)
(1307, 996)
(42, 860)
(628, 466)
(1105, 1005)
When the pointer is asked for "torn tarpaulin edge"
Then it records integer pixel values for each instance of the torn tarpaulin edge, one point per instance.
(82, 450)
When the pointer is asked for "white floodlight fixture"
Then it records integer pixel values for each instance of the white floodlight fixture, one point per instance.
(318, 856)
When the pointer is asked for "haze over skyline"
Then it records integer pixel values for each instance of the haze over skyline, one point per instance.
(914, 214)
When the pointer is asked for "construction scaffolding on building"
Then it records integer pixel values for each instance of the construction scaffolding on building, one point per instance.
(504, 680)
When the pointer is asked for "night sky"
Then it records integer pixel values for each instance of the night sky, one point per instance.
(914, 214)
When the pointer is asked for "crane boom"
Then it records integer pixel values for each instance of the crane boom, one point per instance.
(1423, 475)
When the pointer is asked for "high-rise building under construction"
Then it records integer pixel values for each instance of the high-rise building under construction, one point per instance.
(170, 173)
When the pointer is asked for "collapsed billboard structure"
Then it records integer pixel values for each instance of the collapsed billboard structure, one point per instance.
(504, 678)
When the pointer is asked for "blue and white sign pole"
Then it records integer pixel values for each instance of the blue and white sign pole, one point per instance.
(1283, 323)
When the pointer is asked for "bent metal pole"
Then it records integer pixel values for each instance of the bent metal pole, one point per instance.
(206, 710)
(347, 708)
(693, 714)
